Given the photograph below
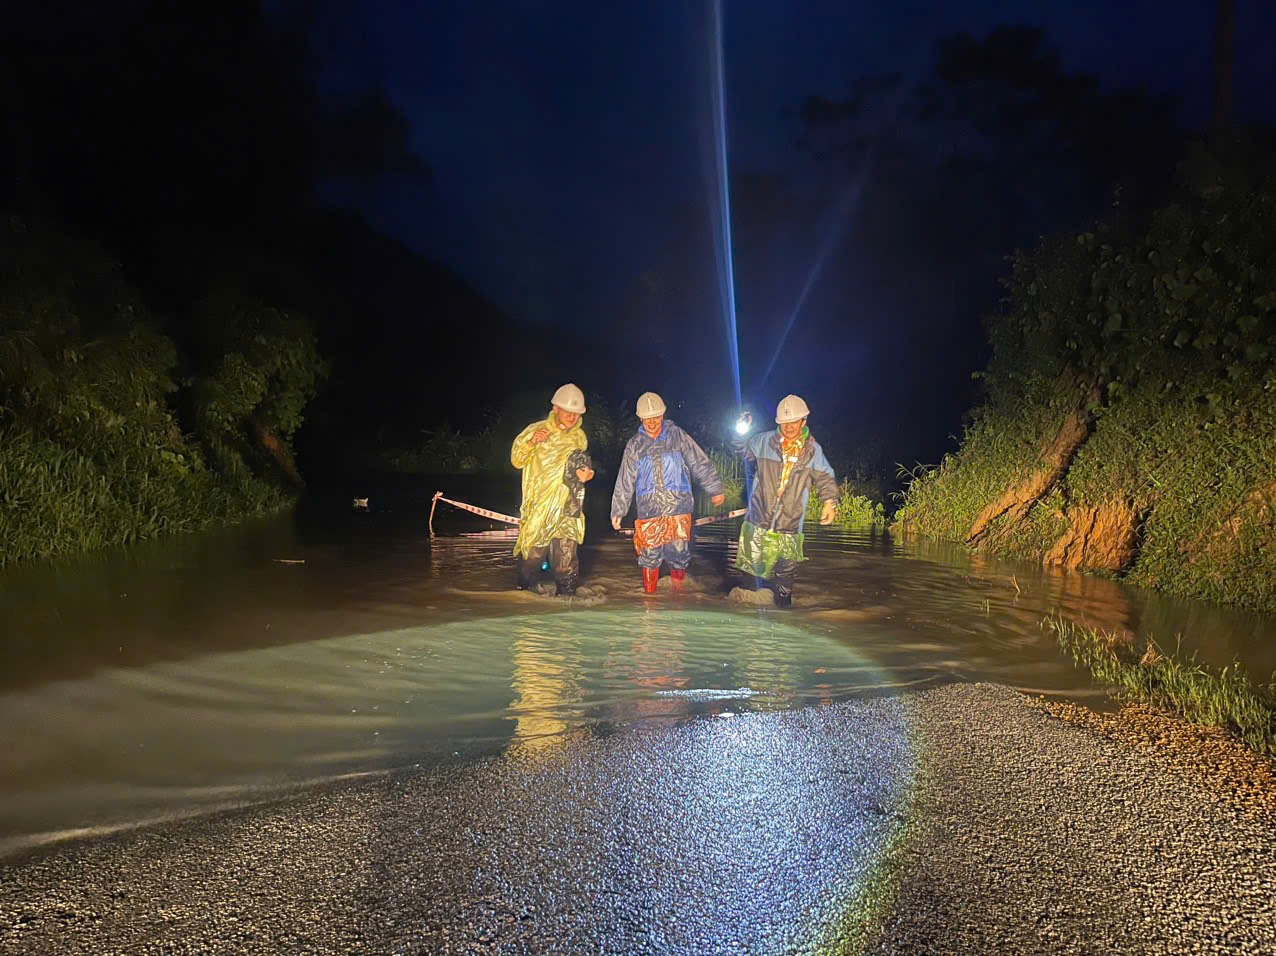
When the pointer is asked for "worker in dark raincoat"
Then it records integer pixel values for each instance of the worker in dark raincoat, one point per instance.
(658, 467)
(551, 454)
(786, 463)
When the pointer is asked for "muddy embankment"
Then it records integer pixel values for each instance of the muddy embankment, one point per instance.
(1098, 536)
(1197, 518)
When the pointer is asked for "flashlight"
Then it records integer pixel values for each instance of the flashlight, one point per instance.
(742, 424)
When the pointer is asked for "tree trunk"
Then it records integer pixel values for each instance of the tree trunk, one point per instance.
(269, 442)
(1016, 500)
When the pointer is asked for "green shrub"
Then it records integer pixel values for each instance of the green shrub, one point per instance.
(852, 510)
(445, 450)
(257, 369)
(91, 451)
(731, 471)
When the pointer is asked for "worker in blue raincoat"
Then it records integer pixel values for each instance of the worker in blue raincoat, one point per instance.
(658, 467)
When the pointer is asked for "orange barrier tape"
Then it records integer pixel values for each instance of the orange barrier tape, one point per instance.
(482, 512)
(510, 519)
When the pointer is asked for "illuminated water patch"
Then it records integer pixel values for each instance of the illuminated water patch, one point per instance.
(174, 738)
(700, 693)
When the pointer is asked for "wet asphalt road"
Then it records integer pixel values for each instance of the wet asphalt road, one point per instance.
(960, 820)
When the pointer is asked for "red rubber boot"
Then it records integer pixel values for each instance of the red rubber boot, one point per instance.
(649, 578)
(676, 577)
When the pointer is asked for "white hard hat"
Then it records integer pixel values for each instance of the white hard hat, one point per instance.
(570, 399)
(650, 405)
(791, 409)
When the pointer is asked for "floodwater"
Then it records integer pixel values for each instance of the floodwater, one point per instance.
(188, 675)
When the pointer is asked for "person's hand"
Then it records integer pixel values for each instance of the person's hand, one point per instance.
(539, 435)
(615, 524)
(828, 512)
(584, 474)
(718, 500)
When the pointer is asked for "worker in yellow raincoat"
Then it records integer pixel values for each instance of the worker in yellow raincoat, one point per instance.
(551, 455)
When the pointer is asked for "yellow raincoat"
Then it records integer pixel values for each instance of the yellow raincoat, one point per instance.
(544, 492)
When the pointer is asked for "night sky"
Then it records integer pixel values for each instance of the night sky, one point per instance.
(567, 140)
(561, 134)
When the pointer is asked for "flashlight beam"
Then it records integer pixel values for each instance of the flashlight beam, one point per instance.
(841, 213)
(722, 234)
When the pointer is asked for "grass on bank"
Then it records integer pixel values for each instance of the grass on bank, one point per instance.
(853, 510)
(60, 499)
(111, 430)
(1147, 674)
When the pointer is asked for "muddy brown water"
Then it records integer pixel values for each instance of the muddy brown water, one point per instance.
(182, 676)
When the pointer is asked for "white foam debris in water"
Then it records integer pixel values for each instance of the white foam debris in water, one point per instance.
(710, 693)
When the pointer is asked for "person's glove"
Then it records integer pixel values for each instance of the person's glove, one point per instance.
(828, 512)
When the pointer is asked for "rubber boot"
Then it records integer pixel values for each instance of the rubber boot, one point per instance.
(649, 578)
(783, 595)
(676, 577)
(785, 572)
(566, 583)
(529, 572)
(565, 566)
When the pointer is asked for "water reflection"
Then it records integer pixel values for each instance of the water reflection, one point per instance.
(547, 686)
(1024, 593)
(767, 663)
(651, 655)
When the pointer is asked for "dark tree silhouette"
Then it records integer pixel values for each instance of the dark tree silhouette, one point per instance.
(900, 229)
